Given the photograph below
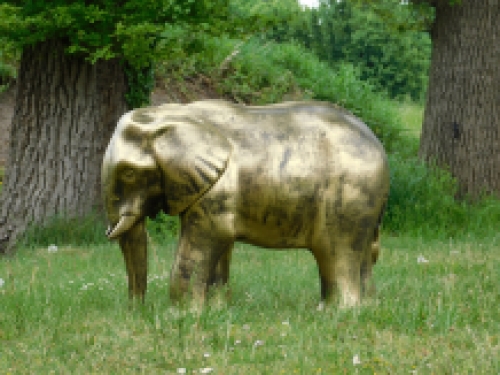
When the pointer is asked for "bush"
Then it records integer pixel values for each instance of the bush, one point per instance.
(380, 38)
(163, 227)
(89, 230)
(261, 72)
(9, 57)
(422, 203)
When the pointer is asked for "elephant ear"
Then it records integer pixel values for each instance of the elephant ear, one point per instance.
(193, 155)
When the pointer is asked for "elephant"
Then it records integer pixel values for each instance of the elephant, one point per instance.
(284, 176)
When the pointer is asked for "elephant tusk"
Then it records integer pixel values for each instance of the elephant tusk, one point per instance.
(126, 222)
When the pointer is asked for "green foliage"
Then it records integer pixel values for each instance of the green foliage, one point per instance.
(8, 62)
(105, 29)
(132, 30)
(422, 203)
(262, 72)
(394, 60)
(163, 227)
(89, 230)
(140, 83)
(392, 52)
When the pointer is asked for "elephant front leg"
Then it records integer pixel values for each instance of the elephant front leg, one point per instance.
(198, 265)
(190, 272)
(133, 244)
(221, 273)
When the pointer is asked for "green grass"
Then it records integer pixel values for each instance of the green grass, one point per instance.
(411, 115)
(67, 312)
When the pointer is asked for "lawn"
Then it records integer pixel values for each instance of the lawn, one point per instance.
(436, 312)
(411, 118)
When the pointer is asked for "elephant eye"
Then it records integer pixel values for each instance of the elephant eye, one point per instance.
(128, 175)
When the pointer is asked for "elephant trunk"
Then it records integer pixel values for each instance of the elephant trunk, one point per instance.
(125, 224)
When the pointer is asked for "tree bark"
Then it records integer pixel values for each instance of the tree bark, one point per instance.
(461, 128)
(66, 110)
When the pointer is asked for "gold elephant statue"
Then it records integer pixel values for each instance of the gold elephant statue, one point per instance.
(291, 175)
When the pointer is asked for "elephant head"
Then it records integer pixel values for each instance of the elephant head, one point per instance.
(156, 162)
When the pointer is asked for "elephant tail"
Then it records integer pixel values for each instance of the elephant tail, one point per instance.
(376, 236)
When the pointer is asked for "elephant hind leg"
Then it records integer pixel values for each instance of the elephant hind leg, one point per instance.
(369, 260)
(133, 244)
(375, 246)
(339, 265)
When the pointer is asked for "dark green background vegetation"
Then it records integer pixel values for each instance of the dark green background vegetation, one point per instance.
(342, 53)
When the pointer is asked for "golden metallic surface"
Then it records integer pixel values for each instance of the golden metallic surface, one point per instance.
(291, 175)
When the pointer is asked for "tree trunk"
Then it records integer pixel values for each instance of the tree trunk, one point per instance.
(66, 110)
(461, 129)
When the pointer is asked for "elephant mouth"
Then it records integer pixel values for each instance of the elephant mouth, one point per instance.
(125, 223)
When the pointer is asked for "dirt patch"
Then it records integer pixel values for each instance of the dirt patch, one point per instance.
(188, 90)
(7, 101)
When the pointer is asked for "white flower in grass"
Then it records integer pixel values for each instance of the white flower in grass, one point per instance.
(2, 282)
(206, 370)
(421, 259)
(86, 286)
(206, 355)
(181, 370)
(258, 343)
(237, 342)
(356, 360)
(52, 248)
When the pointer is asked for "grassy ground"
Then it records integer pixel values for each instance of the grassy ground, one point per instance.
(436, 312)
(411, 118)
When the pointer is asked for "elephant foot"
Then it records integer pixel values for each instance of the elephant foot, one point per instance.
(340, 275)
(219, 295)
(343, 298)
(136, 291)
(218, 298)
(187, 292)
(369, 289)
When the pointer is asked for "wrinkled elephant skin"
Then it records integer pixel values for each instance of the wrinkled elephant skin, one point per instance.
(291, 175)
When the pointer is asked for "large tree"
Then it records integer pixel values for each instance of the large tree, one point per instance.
(461, 129)
(80, 63)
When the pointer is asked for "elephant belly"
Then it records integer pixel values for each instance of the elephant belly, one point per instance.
(280, 222)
